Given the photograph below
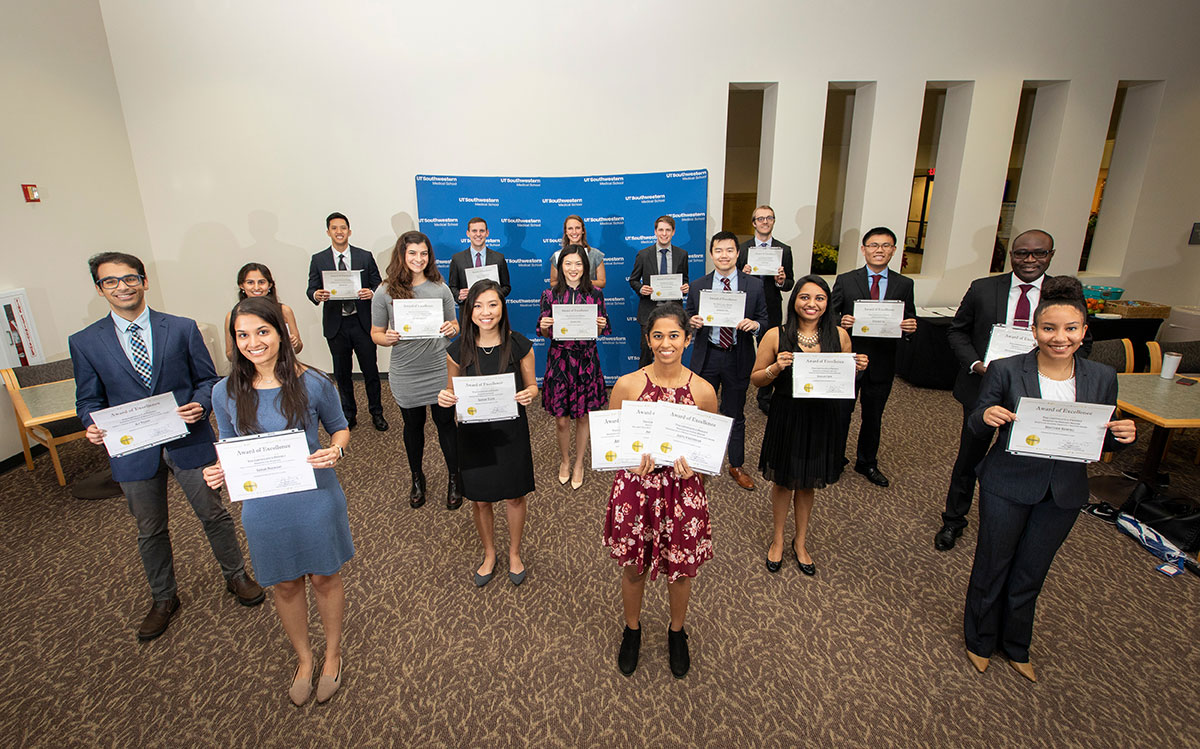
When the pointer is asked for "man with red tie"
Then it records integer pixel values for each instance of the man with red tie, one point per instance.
(1007, 299)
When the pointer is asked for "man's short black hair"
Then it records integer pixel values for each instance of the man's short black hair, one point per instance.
(329, 219)
(124, 258)
(879, 230)
(721, 235)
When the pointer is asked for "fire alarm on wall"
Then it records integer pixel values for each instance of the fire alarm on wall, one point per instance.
(31, 194)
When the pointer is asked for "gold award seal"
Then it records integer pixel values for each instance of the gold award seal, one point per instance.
(470, 410)
(658, 293)
(610, 456)
(333, 292)
(637, 446)
(1032, 440)
(406, 327)
(708, 319)
(866, 328)
(563, 330)
(808, 387)
(126, 440)
(665, 448)
(249, 486)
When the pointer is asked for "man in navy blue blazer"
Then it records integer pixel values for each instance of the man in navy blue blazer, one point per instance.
(133, 353)
(347, 324)
(725, 356)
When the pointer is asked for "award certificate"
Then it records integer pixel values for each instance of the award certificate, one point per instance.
(700, 437)
(667, 287)
(823, 376)
(877, 318)
(486, 397)
(1008, 340)
(637, 428)
(607, 454)
(342, 284)
(473, 274)
(575, 322)
(140, 424)
(722, 309)
(417, 318)
(764, 261)
(264, 465)
(1063, 430)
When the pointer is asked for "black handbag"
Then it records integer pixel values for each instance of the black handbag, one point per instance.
(1177, 518)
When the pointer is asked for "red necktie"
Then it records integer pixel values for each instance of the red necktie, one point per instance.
(1021, 316)
(478, 259)
(726, 334)
(874, 285)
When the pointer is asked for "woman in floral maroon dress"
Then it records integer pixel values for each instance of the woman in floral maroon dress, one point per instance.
(657, 518)
(573, 384)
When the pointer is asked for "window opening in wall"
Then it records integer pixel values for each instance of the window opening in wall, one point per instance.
(831, 188)
(1012, 181)
(1110, 141)
(924, 171)
(743, 144)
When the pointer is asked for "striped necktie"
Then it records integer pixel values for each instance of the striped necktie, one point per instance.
(725, 335)
(141, 357)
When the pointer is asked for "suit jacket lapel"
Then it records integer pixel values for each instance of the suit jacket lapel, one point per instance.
(863, 278)
(1029, 375)
(1002, 289)
(112, 344)
(1084, 386)
(158, 324)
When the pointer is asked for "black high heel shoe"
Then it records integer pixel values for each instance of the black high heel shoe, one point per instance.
(774, 567)
(808, 569)
(416, 495)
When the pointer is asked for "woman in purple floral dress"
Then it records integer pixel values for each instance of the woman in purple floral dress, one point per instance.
(573, 384)
(657, 518)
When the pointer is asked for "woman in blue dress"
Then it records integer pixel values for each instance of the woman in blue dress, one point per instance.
(304, 534)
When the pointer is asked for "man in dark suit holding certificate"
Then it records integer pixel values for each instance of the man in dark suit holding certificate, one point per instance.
(476, 255)
(774, 285)
(134, 353)
(347, 324)
(724, 356)
(661, 258)
(874, 281)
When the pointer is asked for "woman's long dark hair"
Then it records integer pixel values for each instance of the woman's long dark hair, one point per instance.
(470, 331)
(266, 273)
(673, 310)
(293, 398)
(585, 281)
(582, 237)
(827, 329)
(399, 275)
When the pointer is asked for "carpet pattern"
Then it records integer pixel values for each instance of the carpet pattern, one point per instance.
(867, 653)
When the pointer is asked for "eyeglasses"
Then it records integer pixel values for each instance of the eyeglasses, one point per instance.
(1026, 254)
(763, 219)
(112, 282)
(877, 246)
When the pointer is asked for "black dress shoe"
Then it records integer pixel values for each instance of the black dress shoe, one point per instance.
(808, 569)
(416, 495)
(454, 497)
(248, 592)
(631, 644)
(380, 423)
(774, 567)
(944, 540)
(351, 422)
(873, 475)
(158, 618)
(677, 651)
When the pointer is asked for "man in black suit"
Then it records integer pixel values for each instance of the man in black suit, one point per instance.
(873, 281)
(1007, 299)
(725, 356)
(347, 324)
(475, 256)
(660, 258)
(774, 286)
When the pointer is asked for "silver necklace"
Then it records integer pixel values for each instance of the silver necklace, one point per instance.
(809, 341)
(487, 349)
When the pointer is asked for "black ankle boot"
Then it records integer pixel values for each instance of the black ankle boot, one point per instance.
(677, 648)
(627, 656)
(454, 495)
(416, 495)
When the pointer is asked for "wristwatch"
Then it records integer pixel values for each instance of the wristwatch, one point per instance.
(341, 451)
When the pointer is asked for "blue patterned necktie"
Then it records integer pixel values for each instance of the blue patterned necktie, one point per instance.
(141, 357)
(662, 265)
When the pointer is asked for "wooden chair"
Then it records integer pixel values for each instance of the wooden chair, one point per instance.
(1118, 355)
(52, 420)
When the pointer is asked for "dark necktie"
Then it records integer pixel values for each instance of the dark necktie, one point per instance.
(478, 260)
(725, 336)
(347, 307)
(874, 285)
(141, 357)
(662, 263)
(1021, 316)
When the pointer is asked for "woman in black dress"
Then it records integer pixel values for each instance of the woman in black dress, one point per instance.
(804, 442)
(495, 459)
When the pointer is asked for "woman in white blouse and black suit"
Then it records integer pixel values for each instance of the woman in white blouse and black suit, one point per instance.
(1028, 505)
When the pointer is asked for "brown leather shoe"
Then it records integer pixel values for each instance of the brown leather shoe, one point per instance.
(742, 478)
(158, 618)
(248, 592)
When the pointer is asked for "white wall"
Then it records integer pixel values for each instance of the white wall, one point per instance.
(249, 122)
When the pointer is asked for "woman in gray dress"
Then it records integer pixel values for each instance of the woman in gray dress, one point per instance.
(418, 367)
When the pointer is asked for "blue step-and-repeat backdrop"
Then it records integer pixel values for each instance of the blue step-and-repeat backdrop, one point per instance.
(525, 218)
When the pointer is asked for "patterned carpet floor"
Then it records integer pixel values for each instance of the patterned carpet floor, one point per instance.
(867, 653)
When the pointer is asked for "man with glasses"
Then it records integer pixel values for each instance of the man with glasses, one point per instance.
(660, 258)
(874, 281)
(774, 286)
(1006, 299)
(132, 353)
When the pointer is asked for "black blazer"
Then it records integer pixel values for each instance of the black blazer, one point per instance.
(331, 315)
(985, 304)
(855, 285)
(645, 264)
(773, 293)
(1019, 478)
(743, 342)
(457, 275)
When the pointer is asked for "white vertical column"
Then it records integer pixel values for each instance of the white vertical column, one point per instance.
(1038, 166)
(790, 169)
